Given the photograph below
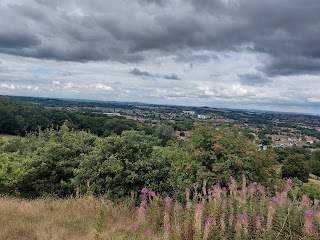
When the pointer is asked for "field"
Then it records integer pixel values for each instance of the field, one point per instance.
(6, 136)
(62, 219)
(238, 212)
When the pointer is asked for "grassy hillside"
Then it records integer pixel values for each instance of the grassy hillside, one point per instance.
(6, 136)
(76, 219)
(246, 211)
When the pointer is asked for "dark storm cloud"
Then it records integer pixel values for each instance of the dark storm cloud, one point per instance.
(253, 79)
(292, 65)
(287, 31)
(138, 72)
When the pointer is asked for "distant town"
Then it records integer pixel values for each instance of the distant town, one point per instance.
(267, 129)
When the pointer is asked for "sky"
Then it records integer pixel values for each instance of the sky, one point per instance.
(245, 54)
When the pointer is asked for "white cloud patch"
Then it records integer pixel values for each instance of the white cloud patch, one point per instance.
(101, 86)
(9, 86)
(56, 83)
(314, 100)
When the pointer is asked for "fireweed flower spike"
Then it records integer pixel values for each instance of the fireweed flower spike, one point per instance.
(135, 226)
(147, 233)
(168, 200)
(143, 206)
(258, 227)
(144, 191)
(309, 228)
(207, 227)
(166, 217)
(198, 218)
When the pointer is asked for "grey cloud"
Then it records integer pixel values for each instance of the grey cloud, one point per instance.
(286, 31)
(172, 77)
(253, 79)
(195, 57)
(159, 2)
(16, 40)
(138, 72)
(292, 65)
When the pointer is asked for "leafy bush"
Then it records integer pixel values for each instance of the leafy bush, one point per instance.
(216, 155)
(295, 166)
(120, 164)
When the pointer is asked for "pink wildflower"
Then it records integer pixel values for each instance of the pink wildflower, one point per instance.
(198, 217)
(230, 220)
(207, 227)
(144, 191)
(135, 226)
(258, 227)
(168, 200)
(308, 228)
(261, 189)
(147, 233)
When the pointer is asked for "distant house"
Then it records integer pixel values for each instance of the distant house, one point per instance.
(177, 133)
(112, 114)
(310, 140)
(202, 117)
(300, 144)
(189, 112)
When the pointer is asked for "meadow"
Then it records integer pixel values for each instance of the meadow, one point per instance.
(240, 211)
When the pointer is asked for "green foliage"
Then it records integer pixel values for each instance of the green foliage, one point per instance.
(120, 164)
(21, 117)
(57, 162)
(283, 153)
(165, 133)
(314, 163)
(310, 189)
(11, 171)
(314, 167)
(295, 166)
(44, 163)
(216, 155)
(100, 223)
(315, 155)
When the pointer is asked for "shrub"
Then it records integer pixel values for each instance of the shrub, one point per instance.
(295, 166)
(121, 164)
(216, 155)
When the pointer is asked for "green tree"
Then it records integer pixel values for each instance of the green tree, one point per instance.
(165, 133)
(314, 163)
(53, 157)
(216, 155)
(295, 166)
(12, 171)
(119, 164)
(314, 167)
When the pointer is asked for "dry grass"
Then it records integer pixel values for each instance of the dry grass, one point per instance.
(62, 219)
(240, 212)
(6, 137)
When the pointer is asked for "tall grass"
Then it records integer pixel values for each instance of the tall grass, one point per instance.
(64, 219)
(235, 212)
(238, 211)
